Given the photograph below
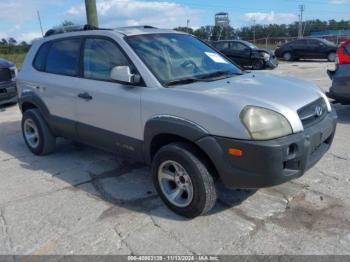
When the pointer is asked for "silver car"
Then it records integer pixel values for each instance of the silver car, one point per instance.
(169, 100)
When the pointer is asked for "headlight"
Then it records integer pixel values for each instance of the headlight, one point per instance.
(266, 56)
(264, 124)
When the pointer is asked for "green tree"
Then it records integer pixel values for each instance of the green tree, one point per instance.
(12, 41)
(67, 23)
(184, 29)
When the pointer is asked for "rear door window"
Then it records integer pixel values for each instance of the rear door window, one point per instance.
(222, 46)
(63, 57)
(300, 43)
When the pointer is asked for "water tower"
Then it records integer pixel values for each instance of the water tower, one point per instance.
(222, 19)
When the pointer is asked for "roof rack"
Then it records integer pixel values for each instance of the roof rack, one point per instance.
(71, 28)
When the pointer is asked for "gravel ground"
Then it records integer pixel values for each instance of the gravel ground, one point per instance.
(80, 200)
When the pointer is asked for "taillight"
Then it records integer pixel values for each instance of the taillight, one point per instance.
(342, 53)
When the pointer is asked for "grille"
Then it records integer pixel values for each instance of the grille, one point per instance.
(313, 112)
(5, 74)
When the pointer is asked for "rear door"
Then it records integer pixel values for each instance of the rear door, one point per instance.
(224, 47)
(301, 48)
(56, 80)
(109, 112)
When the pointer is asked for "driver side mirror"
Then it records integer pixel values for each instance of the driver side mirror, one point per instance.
(123, 74)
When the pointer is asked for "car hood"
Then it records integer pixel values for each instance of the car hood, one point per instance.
(282, 94)
(5, 64)
(264, 50)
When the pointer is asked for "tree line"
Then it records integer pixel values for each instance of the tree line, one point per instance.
(213, 33)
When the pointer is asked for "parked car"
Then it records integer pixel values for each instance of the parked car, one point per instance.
(169, 100)
(340, 89)
(246, 54)
(8, 90)
(307, 48)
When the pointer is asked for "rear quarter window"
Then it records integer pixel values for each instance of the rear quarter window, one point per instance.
(63, 57)
(40, 58)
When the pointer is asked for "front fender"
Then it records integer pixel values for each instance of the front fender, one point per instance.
(170, 125)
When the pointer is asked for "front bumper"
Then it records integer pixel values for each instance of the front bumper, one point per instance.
(8, 93)
(273, 162)
(271, 63)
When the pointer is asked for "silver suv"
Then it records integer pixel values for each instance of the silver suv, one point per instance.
(167, 99)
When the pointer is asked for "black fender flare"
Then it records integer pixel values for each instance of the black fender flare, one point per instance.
(170, 125)
(34, 99)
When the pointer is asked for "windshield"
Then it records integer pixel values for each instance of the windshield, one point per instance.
(180, 59)
(252, 46)
(327, 42)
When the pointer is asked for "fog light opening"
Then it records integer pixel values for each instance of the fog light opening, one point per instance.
(292, 150)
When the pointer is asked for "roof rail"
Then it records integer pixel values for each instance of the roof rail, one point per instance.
(137, 26)
(71, 28)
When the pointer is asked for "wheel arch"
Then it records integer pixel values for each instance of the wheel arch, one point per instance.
(31, 100)
(164, 130)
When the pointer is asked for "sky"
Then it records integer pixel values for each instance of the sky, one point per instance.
(18, 18)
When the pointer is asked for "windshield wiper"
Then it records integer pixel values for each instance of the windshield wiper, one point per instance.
(183, 81)
(219, 74)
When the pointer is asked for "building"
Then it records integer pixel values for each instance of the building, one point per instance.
(222, 19)
(340, 32)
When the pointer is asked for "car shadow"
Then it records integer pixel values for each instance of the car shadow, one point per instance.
(343, 112)
(3, 107)
(125, 184)
(307, 61)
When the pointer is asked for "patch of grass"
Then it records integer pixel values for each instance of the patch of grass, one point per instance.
(16, 58)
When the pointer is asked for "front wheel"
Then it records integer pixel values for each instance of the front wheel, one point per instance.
(183, 180)
(258, 64)
(332, 57)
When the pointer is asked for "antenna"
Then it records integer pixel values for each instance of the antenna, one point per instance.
(41, 26)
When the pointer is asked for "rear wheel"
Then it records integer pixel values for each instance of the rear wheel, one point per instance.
(36, 133)
(183, 180)
(332, 57)
(287, 56)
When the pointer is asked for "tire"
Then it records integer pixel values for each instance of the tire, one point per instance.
(36, 133)
(288, 56)
(258, 64)
(182, 157)
(331, 57)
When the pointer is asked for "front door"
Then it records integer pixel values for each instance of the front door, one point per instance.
(241, 53)
(109, 113)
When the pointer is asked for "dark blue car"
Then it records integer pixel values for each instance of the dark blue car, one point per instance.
(8, 91)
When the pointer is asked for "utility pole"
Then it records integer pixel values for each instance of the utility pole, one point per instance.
(187, 26)
(91, 12)
(41, 26)
(300, 31)
(254, 21)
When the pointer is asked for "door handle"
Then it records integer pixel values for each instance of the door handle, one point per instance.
(85, 96)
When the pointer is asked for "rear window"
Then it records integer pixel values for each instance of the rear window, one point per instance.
(63, 57)
(347, 48)
(39, 62)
